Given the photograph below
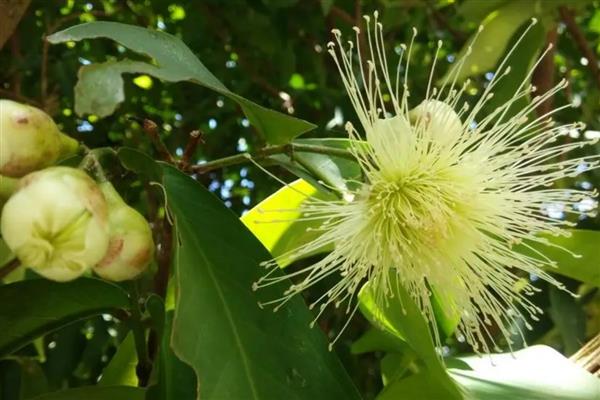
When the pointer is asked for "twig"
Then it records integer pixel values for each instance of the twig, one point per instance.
(151, 129)
(163, 257)
(568, 18)
(341, 14)
(9, 267)
(19, 97)
(195, 138)
(267, 152)
(91, 163)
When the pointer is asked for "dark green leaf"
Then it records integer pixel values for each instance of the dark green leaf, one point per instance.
(569, 318)
(96, 393)
(237, 349)
(175, 63)
(34, 307)
(176, 379)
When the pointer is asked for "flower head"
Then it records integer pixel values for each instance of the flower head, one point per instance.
(447, 194)
(56, 223)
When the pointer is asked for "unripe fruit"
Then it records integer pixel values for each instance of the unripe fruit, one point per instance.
(57, 223)
(29, 139)
(8, 186)
(131, 247)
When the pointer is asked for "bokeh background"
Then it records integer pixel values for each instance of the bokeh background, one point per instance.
(274, 53)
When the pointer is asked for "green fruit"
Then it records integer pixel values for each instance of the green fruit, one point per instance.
(57, 223)
(131, 246)
(30, 140)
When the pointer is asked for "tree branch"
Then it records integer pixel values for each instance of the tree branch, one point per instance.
(266, 152)
(568, 18)
(543, 76)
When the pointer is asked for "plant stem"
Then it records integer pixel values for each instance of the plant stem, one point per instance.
(91, 162)
(266, 152)
(9, 267)
(144, 365)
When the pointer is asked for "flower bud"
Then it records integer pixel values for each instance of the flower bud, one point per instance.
(439, 120)
(57, 223)
(131, 247)
(30, 139)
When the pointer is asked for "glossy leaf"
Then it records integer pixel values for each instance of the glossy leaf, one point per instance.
(96, 393)
(378, 340)
(121, 368)
(536, 373)
(499, 26)
(175, 63)
(237, 349)
(582, 266)
(176, 379)
(281, 232)
(403, 319)
(34, 307)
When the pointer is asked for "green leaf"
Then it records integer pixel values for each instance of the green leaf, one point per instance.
(584, 266)
(99, 89)
(175, 62)
(499, 27)
(476, 10)
(237, 349)
(402, 318)
(326, 6)
(281, 232)
(34, 307)
(332, 170)
(422, 386)
(176, 379)
(537, 372)
(378, 340)
(140, 163)
(121, 368)
(96, 393)
(521, 60)
(569, 319)
(594, 24)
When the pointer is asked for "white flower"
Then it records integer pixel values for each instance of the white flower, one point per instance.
(57, 223)
(130, 246)
(447, 194)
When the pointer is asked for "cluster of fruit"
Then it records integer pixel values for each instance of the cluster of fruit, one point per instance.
(57, 220)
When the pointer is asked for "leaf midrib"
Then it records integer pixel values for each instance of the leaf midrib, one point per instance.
(228, 314)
